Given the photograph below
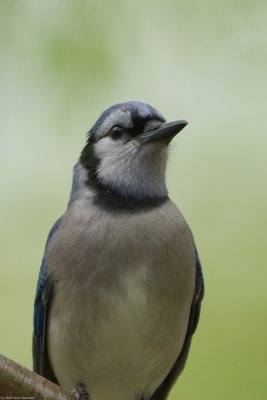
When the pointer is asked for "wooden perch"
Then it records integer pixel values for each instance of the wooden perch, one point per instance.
(19, 382)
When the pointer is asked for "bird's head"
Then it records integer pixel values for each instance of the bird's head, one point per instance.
(126, 152)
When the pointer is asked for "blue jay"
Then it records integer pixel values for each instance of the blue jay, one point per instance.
(120, 286)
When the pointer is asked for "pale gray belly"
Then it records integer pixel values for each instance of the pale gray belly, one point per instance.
(122, 299)
(121, 342)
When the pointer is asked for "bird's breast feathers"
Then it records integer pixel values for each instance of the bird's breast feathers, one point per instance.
(131, 323)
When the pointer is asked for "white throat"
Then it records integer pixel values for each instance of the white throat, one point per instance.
(137, 171)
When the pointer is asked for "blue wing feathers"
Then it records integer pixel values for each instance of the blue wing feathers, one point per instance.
(42, 274)
(44, 291)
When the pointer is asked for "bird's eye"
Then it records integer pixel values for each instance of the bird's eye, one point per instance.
(116, 132)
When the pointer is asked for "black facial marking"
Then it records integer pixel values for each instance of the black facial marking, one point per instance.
(90, 161)
(140, 122)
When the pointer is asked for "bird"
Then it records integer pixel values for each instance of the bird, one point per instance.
(120, 286)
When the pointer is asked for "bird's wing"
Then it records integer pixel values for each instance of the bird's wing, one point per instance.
(162, 392)
(43, 297)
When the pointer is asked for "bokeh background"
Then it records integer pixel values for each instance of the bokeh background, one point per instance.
(62, 63)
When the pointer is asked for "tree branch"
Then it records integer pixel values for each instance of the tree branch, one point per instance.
(18, 381)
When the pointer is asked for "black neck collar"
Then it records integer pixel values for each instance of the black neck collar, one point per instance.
(111, 199)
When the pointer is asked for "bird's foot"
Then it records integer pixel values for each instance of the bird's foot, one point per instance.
(81, 393)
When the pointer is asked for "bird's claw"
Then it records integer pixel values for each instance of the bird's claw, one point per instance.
(81, 393)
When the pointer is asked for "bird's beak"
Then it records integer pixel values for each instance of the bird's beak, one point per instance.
(166, 132)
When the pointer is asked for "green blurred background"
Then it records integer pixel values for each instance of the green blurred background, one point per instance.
(62, 63)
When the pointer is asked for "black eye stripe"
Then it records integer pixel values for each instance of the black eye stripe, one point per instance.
(146, 126)
(139, 125)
